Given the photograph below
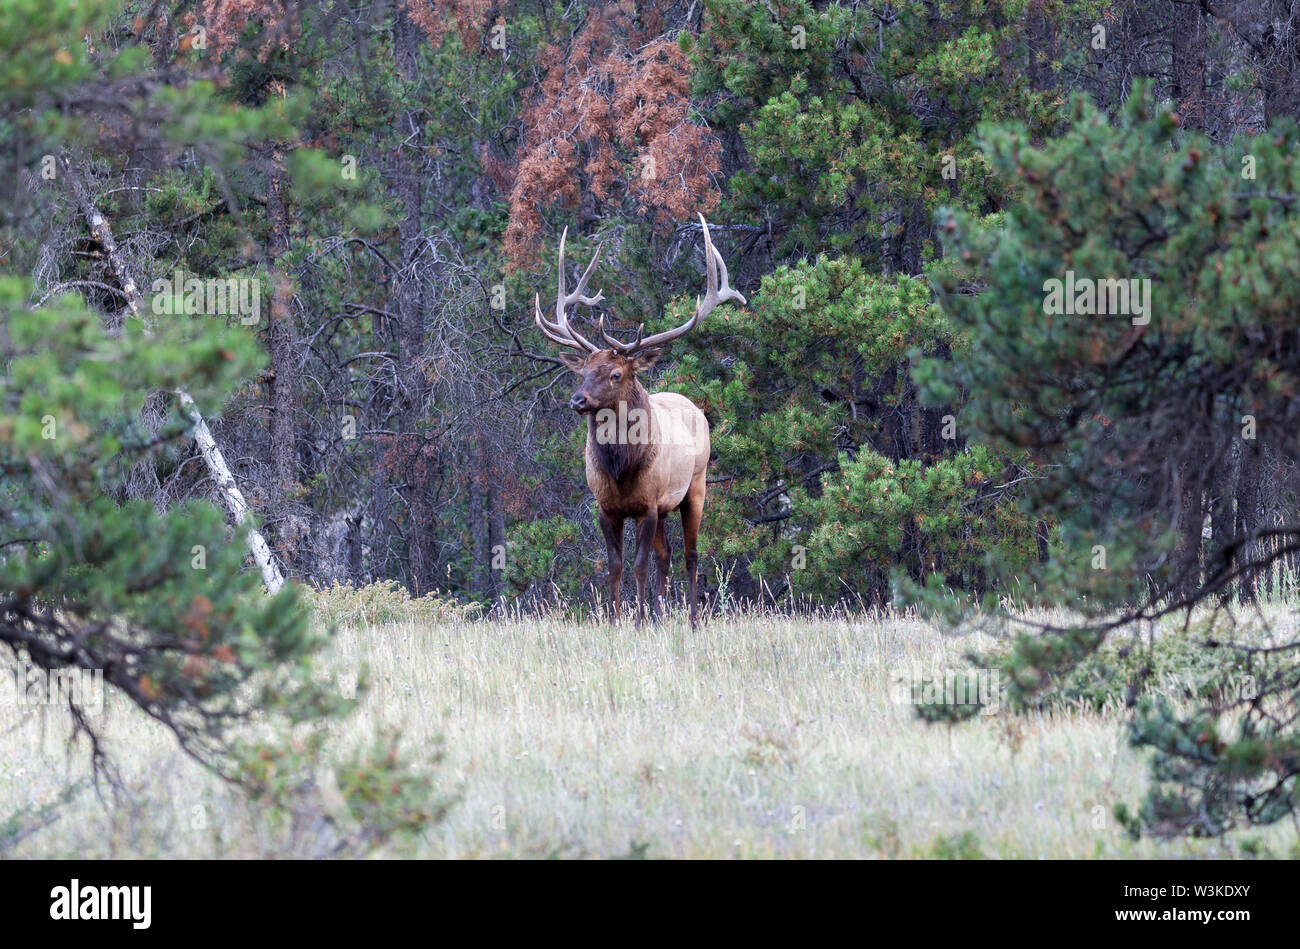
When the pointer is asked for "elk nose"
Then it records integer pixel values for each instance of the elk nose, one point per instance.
(578, 402)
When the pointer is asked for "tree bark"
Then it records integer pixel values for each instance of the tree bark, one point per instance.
(1191, 518)
(1188, 63)
(281, 335)
(230, 493)
(1224, 486)
(409, 187)
(480, 542)
(1248, 515)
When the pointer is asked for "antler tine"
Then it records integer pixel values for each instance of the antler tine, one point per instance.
(626, 349)
(721, 282)
(549, 330)
(570, 336)
(725, 281)
(577, 295)
(710, 265)
(717, 290)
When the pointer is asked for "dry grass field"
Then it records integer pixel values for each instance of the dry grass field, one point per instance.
(754, 737)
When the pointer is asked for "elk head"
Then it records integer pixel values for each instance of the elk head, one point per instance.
(607, 378)
(609, 374)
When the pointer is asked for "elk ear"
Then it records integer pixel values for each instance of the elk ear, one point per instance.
(574, 361)
(644, 360)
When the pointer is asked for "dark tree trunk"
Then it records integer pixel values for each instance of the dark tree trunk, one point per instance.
(408, 186)
(1270, 504)
(480, 542)
(1191, 517)
(1188, 63)
(1223, 488)
(1189, 84)
(1248, 514)
(496, 538)
(282, 336)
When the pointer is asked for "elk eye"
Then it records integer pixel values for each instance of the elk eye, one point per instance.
(616, 375)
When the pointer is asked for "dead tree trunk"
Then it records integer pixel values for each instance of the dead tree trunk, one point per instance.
(281, 337)
(217, 467)
(230, 494)
(487, 522)
(1248, 518)
(1188, 63)
(1223, 488)
(409, 187)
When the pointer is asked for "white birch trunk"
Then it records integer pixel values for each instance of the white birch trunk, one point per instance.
(230, 493)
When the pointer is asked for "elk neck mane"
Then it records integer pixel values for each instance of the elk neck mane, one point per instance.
(623, 458)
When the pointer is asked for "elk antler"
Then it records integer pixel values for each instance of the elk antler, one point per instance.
(560, 331)
(718, 291)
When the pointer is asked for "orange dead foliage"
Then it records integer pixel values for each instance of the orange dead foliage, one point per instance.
(611, 119)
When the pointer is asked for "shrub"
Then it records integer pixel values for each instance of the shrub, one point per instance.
(385, 601)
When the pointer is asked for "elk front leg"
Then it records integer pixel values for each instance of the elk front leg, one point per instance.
(645, 538)
(663, 559)
(612, 528)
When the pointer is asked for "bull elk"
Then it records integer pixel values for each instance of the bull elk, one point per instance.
(647, 455)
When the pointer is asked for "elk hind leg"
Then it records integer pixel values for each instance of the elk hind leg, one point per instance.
(645, 534)
(692, 514)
